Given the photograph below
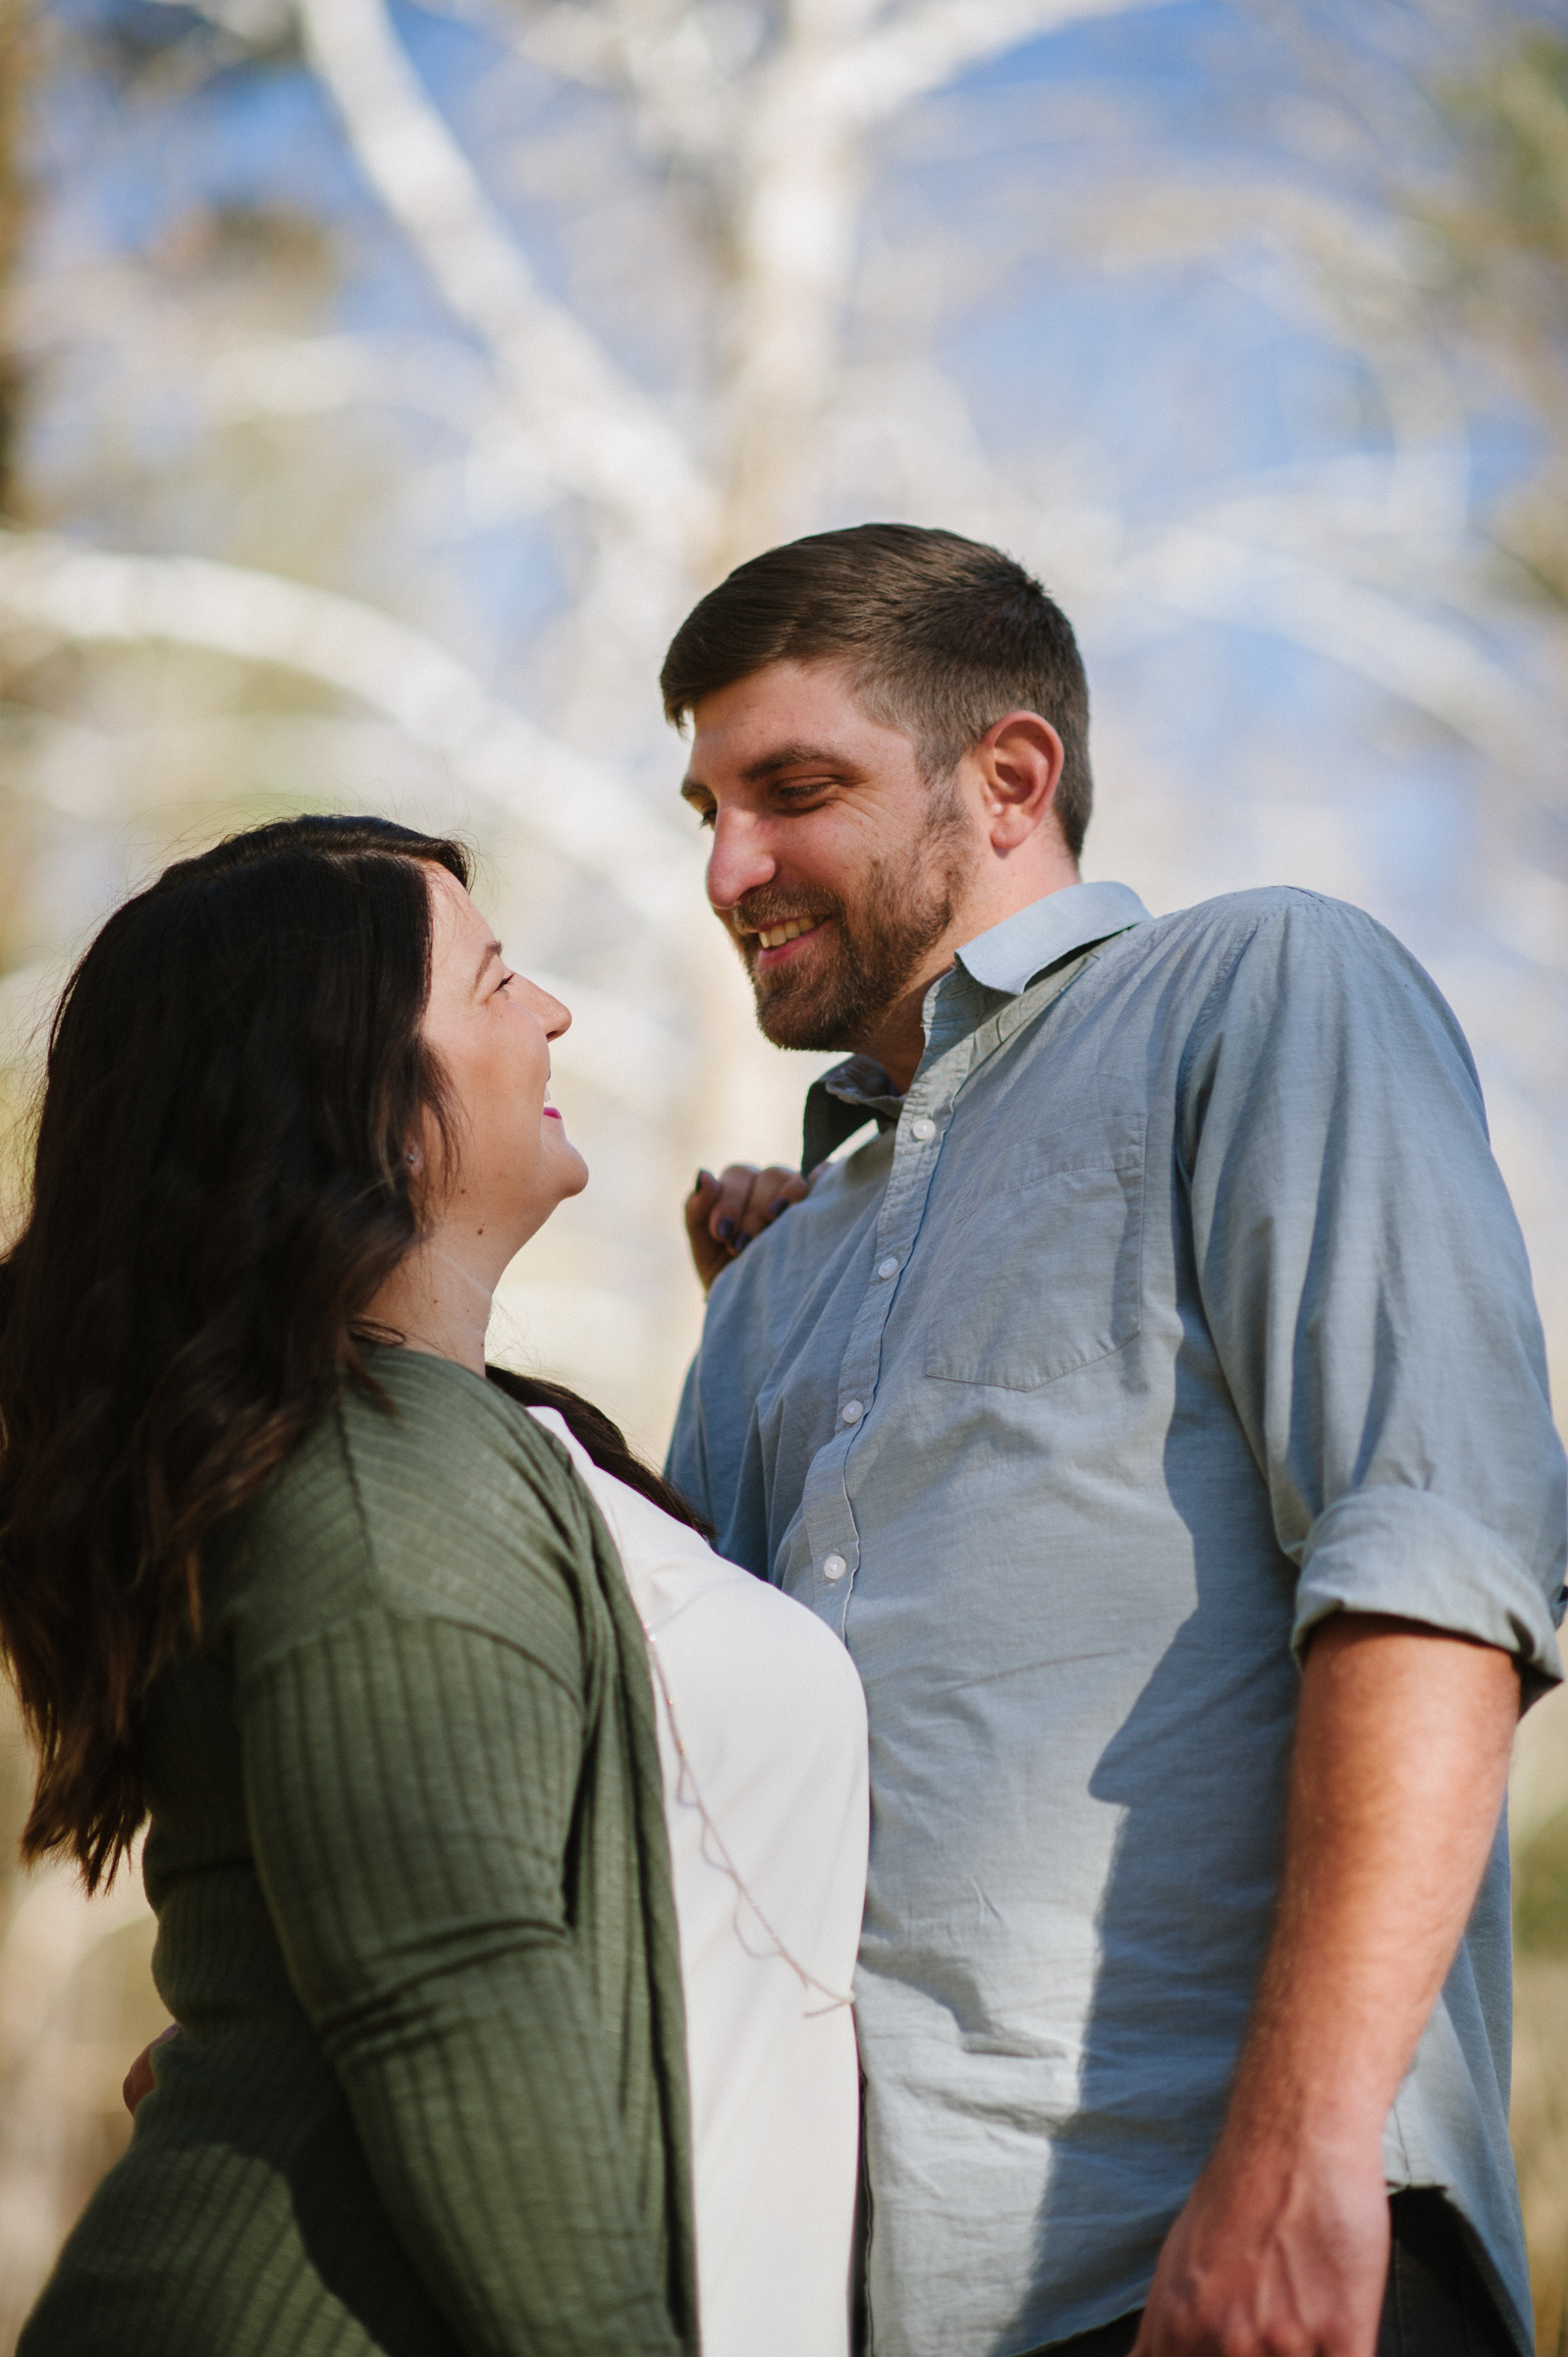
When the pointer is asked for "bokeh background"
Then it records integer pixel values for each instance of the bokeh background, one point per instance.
(378, 386)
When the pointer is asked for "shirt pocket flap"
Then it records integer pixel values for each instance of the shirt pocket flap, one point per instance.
(1045, 1274)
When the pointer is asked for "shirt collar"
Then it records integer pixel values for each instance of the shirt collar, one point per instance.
(1010, 955)
(841, 1102)
(1004, 963)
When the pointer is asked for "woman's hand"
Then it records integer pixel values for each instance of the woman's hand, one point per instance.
(139, 2079)
(723, 1214)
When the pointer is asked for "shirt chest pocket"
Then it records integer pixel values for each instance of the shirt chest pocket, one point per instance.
(1045, 1275)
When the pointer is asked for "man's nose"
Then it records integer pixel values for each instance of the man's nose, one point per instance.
(741, 860)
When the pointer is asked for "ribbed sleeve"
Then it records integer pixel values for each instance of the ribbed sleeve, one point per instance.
(409, 1786)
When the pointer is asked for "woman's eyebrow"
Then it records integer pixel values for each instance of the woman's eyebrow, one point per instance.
(492, 950)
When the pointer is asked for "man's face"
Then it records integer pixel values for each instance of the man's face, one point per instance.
(837, 870)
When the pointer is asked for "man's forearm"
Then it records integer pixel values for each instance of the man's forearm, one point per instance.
(1397, 1781)
(1401, 1763)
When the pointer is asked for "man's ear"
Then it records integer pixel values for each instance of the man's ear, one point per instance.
(1019, 760)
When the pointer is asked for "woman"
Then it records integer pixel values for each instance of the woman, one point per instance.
(282, 1572)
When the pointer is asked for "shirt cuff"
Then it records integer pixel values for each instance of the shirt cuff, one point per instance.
(1421, 1557)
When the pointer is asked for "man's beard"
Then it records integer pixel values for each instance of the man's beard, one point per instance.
(833, 1000)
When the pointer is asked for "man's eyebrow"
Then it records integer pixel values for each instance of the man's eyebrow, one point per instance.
(492, 950)
(773, 765)
(795, 756)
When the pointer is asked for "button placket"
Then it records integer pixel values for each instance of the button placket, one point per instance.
(826, 1509)
(829, 1519)
(916, 1148)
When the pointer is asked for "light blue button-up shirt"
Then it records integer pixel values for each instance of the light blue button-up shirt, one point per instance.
(1178, 1304)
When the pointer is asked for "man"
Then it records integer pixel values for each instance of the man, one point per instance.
(1157, 1407)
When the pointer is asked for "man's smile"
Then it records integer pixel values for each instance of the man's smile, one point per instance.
(776, 945)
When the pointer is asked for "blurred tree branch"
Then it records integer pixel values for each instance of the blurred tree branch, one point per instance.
(573, 805)
(918, 49)
(16, 63)
(1502, 230)
(598, 431)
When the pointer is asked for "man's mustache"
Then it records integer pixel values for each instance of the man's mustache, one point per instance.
(761, 911)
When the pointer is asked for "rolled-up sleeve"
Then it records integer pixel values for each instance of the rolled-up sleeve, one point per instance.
(1368, 1290)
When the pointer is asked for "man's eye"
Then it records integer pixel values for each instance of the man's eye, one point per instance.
(705, 818)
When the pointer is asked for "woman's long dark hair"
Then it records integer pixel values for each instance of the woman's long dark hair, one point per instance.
(221, 1185)
(603, 1441)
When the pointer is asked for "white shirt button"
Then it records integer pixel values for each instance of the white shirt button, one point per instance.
(923, 1128)
(851, 1412)
(887, 1268)
(833, 1566)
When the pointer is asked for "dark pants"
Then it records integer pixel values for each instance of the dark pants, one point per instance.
(1436, 2303)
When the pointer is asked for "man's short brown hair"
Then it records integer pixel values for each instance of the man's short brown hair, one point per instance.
(940, 636)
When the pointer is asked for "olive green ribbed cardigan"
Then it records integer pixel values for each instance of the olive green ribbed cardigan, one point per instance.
(415, 1920)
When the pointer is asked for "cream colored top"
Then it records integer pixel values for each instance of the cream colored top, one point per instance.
(761, 1730)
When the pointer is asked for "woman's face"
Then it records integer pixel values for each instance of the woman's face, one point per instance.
(492, 1031)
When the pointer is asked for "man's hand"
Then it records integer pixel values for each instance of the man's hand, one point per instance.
(1285, 2252)
(723, 1214)
(1401, 1758)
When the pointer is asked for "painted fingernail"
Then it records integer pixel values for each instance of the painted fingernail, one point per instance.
(773, 1209)
(740, 1245)
(726, 1230)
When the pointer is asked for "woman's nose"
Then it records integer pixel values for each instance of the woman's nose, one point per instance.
(739, 861)
(549, 1010)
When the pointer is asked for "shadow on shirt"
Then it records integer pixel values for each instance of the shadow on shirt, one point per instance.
(1198, 1770)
